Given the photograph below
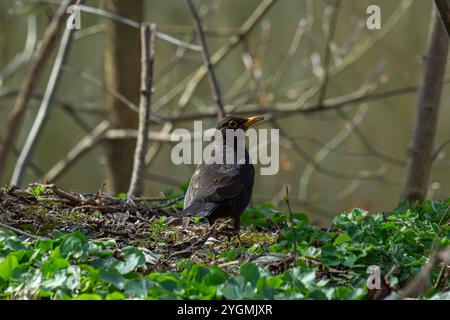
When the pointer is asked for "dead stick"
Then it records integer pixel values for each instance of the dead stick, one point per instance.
(21, 232)
(147, 58)
(66, 195)
(44, 109)
(17, 114)
(214, 84)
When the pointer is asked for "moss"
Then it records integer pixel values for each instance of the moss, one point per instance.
(251, 238)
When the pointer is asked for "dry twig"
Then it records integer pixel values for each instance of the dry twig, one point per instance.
(147, 59)
(17, 114)
(214, 84)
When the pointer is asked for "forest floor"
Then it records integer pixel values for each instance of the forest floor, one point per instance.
(62, 245)
(38, 214)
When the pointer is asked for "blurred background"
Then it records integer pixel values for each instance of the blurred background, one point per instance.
(335, 160)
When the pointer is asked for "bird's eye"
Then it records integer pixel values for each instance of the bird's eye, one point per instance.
(232, 124)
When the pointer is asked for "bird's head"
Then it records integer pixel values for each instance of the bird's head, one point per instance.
(234, 122)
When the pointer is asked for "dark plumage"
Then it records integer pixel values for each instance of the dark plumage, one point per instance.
(222, 190)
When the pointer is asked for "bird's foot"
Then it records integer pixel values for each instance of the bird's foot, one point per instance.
(239, 239)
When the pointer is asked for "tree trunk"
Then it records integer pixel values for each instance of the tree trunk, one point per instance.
(443, 7)
(421, 150)
(122, 74)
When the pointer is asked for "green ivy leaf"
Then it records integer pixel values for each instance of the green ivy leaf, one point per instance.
(88, 296)
(74, 246)
(7, 267)
(250, 272)
(113, 277)
(237, 289)
(133, 259)
(343, 237)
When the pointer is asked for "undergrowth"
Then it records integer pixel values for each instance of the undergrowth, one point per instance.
(281, 258)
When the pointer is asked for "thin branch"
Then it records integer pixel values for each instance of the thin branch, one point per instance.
(443, 7)
(82, 147)
(327, 58)
(293, 48)
(101, 84)
(87, 143)
(167, 128)
(76, 117)
(147, 60)
(281, 110)
(169, 180)
(249, 25)
(214, 84)
(338, 139)
(372, 151)
(128, 22)
(440, 148)
(312, 86)
(45, 108)
(363, 175)
(135, 24)
(17, 114)
(21, 232)
(73, 112)
(23, 57)
(422, 282)
(191, 82)
(33, 166)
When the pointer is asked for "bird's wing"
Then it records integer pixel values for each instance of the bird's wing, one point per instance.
(217, 183)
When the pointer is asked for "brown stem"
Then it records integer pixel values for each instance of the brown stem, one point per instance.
(17, 114)
(214, 84)
(147, 59)
(421, 150)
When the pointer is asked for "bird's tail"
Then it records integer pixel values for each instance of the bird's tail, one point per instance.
(199, 209)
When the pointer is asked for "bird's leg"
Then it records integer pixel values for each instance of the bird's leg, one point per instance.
(237, 229)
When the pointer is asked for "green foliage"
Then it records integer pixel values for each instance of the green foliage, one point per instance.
(258, 215)
(37, 190)
(73, 267)
(403, 238)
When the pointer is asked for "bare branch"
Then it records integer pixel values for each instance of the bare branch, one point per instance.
(44, 109)
(33, 166)
(363, 175)
(444, 11)
(220, 54)
(281, 110)
(128, 22)
(147, 60)
(17, 114)
(84, 145)
(214, 84)
(21, 232)
(422, 282)
(23, 57)
(96, 136)
(440, 148)
(338, 139)
(327, 57)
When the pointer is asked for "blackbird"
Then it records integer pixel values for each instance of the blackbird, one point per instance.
(223, 190)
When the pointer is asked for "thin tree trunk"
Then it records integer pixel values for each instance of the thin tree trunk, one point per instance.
(122, 74)
(421, 150)
(147, 59)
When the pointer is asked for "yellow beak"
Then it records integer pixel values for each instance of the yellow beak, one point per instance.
(251, 121)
